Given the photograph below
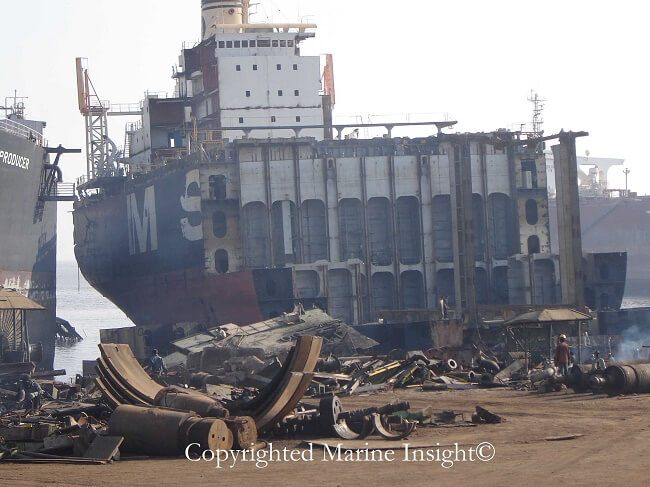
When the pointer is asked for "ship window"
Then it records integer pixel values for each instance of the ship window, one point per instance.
(275, 43)
(241, 119)
(219, 225)
(229, 44)
(278, 67)
(253, 43)
(238, 67)
(296, 92)
(217, 185)
(529, 174)
(244, 43)
(221, 261)
(298, 119)
(290, 43)
(533, 245)
(295, 67)
(531, 212)
(264, 43)
(237, 43)
(273, 119)
(283, 43)
(254, 67)
(248, 94)
(222, 44)
(280, 93)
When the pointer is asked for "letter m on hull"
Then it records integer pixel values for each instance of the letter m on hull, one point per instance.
(143, 231)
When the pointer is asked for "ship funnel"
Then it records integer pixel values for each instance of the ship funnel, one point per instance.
(217, 14)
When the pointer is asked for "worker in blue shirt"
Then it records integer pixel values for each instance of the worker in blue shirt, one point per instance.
(156, 363)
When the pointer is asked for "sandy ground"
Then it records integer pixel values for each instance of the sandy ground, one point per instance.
(613, 449)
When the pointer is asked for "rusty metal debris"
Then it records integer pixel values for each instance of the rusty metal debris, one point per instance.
(389, 433)
(128, 412)
(165, 432)
(614, 380)
(482, 415)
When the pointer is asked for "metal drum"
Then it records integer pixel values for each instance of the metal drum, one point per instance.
(149, 431)
(620, 379)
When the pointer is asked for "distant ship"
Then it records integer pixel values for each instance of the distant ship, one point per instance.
(29, 183)
(239, 197)
(613, 220)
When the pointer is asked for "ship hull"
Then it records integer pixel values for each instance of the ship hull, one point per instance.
(28, 237)
(618, 225)
(243, 234)
(136, 247)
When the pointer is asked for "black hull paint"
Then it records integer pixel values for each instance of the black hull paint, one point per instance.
(28, 239)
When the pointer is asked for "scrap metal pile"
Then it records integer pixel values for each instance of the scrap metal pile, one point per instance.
(273, 337)
(127, 412)
(21, 386)
(59, 432)
(614, 380)
(415, 369)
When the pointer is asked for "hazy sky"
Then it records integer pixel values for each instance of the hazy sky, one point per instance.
(476, 60)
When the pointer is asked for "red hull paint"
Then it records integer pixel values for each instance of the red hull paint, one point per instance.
(185, 296)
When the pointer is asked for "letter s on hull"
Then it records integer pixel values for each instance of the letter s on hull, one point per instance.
(191, 204)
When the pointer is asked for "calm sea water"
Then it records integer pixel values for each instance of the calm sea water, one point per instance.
(89, 311)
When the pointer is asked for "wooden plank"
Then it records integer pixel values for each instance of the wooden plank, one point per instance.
(563, 438)
(104, 448)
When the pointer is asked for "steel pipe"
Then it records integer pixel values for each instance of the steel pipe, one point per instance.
(620, 379)
(186, 401)
(163, 432)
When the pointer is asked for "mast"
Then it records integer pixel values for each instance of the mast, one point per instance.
(245, 11)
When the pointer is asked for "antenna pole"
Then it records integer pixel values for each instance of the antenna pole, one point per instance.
(538, 111)
(626, 171)
(245, 11)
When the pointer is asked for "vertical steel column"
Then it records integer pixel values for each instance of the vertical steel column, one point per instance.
(487, 219)
(366, 244)
(572, 276)
(266, 157)
(397, 285)
(296, 180)
(462, 221)
(425, 200)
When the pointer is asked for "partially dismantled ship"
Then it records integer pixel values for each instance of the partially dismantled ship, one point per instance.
(239, 196)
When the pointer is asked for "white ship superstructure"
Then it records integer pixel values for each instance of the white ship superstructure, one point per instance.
(238, 198)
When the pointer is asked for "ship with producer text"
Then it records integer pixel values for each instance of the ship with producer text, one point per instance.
(30, 184)
(239, 196)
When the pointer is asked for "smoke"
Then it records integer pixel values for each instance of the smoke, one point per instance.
(631, 344)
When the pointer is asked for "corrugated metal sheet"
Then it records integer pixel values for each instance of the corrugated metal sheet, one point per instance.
(549, 315)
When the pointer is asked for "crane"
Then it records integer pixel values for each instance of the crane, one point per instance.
(101, 151)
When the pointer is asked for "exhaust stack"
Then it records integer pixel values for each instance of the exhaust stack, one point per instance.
(215, 14)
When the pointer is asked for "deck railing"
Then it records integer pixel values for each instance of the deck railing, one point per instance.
(15, 128)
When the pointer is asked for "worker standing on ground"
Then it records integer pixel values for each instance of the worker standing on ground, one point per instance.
(444, 308)
(562, 355)
(156, 363)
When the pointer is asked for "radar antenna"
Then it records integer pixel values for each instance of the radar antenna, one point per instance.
(538, 114)
(14, 106)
